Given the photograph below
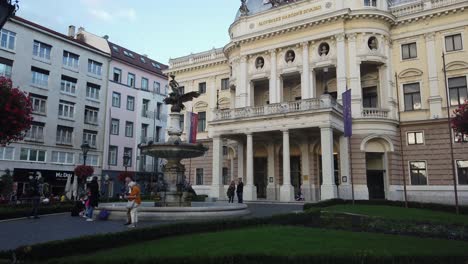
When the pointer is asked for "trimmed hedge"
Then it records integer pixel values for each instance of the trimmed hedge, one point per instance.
(25, 211)
(416, 205)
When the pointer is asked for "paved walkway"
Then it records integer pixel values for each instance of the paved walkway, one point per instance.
(62, 226)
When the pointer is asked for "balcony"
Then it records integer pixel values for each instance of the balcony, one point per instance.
(374, 113)
(315, 104)
(408, 7)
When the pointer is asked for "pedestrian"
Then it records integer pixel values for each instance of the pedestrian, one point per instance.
(35, 196)
(230, 192)
(134, 201)
(240, 191)
(125, 190)
(93, 198)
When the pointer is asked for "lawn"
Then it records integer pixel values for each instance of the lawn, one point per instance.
(400, 213)
(278, 241)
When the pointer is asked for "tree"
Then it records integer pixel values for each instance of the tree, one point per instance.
(6, 184)
(15, 112)
(83, 172)
(460, 121)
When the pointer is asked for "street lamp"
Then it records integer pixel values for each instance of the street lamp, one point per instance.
(8, 9)
(85, 148)
(126, 160)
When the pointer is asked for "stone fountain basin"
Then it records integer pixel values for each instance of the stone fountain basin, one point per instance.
(172, 151)
(198, 211)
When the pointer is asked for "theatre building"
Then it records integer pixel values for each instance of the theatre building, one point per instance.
(271, 108)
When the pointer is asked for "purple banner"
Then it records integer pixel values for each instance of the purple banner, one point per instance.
(347, 116)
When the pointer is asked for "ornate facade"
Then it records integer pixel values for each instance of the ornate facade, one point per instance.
(272, 100)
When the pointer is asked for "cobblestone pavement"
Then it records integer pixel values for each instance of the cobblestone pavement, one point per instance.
(62, 226)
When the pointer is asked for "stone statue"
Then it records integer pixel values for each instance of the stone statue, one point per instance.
(244, 10)
(176, 98)
(324, 50)
(290, 56)
(373, 45)
(260, 63)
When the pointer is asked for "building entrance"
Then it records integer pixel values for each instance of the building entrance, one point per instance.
(375, 176)
(260, 177)
(296, 176)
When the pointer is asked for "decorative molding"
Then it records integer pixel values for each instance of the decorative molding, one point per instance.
(457, 65)
(388, 144)
(409, 73)
(200, 105)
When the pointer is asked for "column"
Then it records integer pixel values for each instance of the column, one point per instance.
(250, 192)
(232, 169)
(305, 81)
(217, 189)
(345, 187)
(273, 78)
(435, 100)
(305, 171)
(355, 76)
(313, 86)
(240, 160)
(328, 189)
(390, 79)
(211, 90)
(241, 91)
(341, 64)
(271, 187)
(286, 190)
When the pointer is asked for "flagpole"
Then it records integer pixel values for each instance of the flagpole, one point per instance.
(401, 142)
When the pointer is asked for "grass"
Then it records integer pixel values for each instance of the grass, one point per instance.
(399, 213)
(277, 241)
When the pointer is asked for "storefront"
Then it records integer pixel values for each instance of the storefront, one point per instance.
(55, 180)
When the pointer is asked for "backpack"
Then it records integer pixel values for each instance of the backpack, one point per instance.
(103, 215)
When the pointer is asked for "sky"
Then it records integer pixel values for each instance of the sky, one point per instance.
(162, 29)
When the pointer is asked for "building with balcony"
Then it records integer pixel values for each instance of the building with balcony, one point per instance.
(271, 106)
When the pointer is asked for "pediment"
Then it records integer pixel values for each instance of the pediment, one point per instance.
(457, 65)
(201, 105)
(369, 77)
(408, 73)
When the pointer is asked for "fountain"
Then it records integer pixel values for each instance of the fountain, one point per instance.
(174, 202)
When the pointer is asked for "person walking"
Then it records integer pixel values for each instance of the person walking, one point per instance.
(93, 198)
(35, 196)
(134, 201)
(240, 191)
(230, 192)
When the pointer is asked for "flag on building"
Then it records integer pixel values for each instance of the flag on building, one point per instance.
(192, 127)
(347, 115)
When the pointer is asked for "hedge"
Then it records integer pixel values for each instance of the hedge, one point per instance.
(416, 205)
(25, 211)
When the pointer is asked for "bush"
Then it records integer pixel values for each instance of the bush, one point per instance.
(11, 212)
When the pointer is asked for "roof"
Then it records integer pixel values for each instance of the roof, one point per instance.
(53, 32)
(135, 59)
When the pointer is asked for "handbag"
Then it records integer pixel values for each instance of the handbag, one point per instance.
(130, 204)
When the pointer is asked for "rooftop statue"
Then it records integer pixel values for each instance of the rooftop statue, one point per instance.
(176, 98)
(244, 10)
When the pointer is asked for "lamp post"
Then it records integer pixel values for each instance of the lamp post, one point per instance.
(85, 148)
(8, 9)
(126, 160)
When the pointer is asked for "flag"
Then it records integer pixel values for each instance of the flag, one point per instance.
(192, 127)
(347, 115)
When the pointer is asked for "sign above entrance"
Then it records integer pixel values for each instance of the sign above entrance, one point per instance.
(290, 15)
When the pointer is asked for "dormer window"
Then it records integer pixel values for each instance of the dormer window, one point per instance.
(128, 54)
(115, 48)
(142, 59)
(372, 3)
(156, 65)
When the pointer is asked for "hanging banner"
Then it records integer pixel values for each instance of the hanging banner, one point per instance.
(347, 114)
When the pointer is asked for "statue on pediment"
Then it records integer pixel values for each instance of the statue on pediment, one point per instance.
(244, 10)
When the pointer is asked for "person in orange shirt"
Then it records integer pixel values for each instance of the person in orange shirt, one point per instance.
(134, 201)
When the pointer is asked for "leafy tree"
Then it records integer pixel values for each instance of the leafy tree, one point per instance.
(460, 121)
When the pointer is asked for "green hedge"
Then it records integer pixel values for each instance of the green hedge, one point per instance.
(416, 205)
(25, 211)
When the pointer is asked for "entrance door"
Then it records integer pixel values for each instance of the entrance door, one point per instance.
(260, 177)
(296, 176)
(375, 183)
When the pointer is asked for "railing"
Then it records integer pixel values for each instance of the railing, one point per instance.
(197, 58)
(280, 108)
(407, 7)
(374, 113)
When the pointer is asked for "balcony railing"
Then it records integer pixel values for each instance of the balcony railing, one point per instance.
(374, 113)
(279, 108)
(407, 7)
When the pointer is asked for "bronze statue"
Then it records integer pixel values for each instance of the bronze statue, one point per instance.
(244, 10)
(176, 98)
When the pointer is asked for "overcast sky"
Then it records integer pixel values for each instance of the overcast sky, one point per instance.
(159, 28)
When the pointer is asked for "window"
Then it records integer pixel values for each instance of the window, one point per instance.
(42, 50)
(462, 172)
(63, 157)
(199, 174)
(6, 153)
(157, 66)
(201, 121)
(115, 123)
(460, 138)
(202, 87)
(33, 155)
(157, 87)
(91, 160)
(129, 152)
(91, 115)
(415, 138)
(35, 133)
(182, 90)
(131, 80)
(129, 129)
(412, 96)
(40, 77)
(92, 91)
(95, 67)
(68, 85)
(66, 109)
(128, 54)
(182, 121)
(70, 59)
(409, 51)
(130, 103)
(458, 90)
(113, 151)
(225, 84)
(144, 84)
(5, 67)
(225, 151)
(38, 104)
(145, 108)
(370, 3)
(117, 75)
(90, 137)
(453, 42)
(418, 173)
(369, 97)
(144, 133)
(158, 134)
(116, 99)
(225, 176)
(158, 111)
(7, 39)
(64, 135)
(142, 59)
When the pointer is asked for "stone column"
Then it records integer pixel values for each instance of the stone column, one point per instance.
(286, 190)
(341, 64)
(435, 100)
(250, 192)
(305, 171)
(328, 189)
(217, 187)
(241, 91)
(271, 187)
(313, 85)
(345, 187)
(232, 169)
(305, 81)
(211, 90)
(355, 76)
(273, 78)
(240, 160)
